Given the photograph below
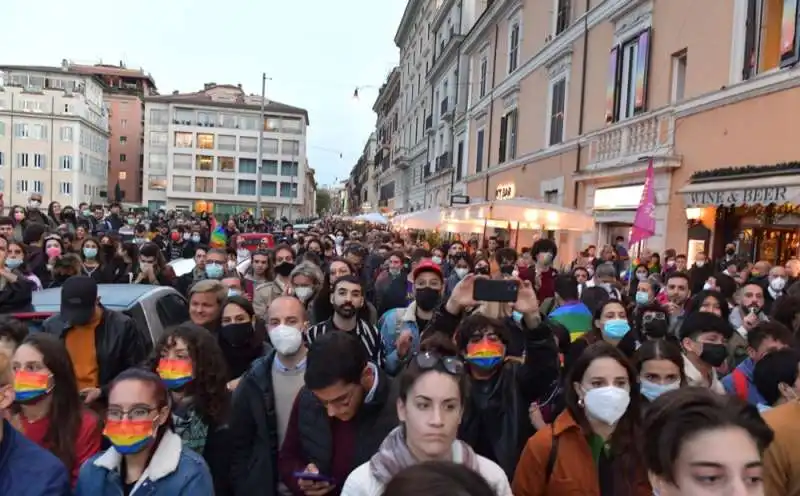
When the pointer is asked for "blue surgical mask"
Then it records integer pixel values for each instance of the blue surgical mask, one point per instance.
(642, 297)
(13, 263)
(232, 292)
(214, 271)
(651, 390)
(89, 252)
(517, 316)
(616, 328)
(195, 238)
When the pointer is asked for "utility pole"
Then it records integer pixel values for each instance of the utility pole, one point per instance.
(259, 160)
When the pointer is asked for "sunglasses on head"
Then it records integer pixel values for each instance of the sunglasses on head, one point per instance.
(427, 360)
(649, 317)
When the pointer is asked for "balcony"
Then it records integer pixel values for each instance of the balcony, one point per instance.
(426, 171)
(401, 157)
(443, 162)
(446, 110)
(429, 123)
(628, 142)
(385, 163)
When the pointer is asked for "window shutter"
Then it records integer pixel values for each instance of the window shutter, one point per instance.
(611, 85)
(503, 135)
(642, 72)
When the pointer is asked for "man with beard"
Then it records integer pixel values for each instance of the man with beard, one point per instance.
(347, 298)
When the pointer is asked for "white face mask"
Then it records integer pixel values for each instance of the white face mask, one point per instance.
(707, 286)
(700, 263)
(437, 260)
(286, 339)
(303, 293)
(231, 265)
(461, 272)
(607, 404)
(777, 284)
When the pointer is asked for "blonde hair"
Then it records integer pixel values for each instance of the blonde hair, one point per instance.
(210, 286)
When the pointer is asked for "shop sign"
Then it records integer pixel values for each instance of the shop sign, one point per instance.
(505, 191)
(743, 196)
(619, 198)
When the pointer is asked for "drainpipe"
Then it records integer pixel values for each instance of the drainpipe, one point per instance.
(582, 103)
(456, 87)
(491, 112)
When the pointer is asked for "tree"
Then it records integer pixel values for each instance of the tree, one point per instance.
(323, 201)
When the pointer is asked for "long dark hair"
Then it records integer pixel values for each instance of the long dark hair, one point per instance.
(209, 385)
(624, 440)
(66, 409)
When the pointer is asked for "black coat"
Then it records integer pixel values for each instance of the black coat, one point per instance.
(16, 296)
(118, 343)
(254, 432)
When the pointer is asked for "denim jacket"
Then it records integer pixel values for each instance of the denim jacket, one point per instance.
(173, 470)
(392, 324)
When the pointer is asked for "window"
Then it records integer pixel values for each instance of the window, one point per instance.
(292, 126)
(22, 186)
(39, 160)
(2, 124)
(184, 140)
(159, 117)
(770, 36)
(289, 169)
(269, 188)
(182, 183)
(123, 157)
(39, 132)
(68, 108)
(626, 90)
(269, 146)
(158, 161)
(562, 14)
(157, 183)
(227, 143)
(207, 119)
(227, 164)
(290, 147)
(248, 165)
(182, 161)
(123, 140)
(288, 190)
(482, 74)
(37, 186)
(459, 160)
(226, 186)
(508, 136)
(65, 189)
(65, 162)
(272, 124)
(205, 141)
(513, 45)
(2, 161)
(123, 123)
(249, 123)
(123, 175)
(677, 91)
(171, 308)
(22, 130)
(558, 96)
(247, 187)
(479, 152)
(67, 133)
(228, 121)
(248, 144)
(204, 163)
(204, 185)
(158, 139)
(269, 167)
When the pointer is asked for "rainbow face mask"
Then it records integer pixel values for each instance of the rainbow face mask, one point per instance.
(30, 385)
(175, 373)
(129, 436)
(485, 354)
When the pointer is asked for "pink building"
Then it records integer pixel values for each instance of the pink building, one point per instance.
(124, 95)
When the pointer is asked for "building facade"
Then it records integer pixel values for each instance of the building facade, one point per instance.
(569, 102)
(390, 179)
(201, 153)
(53, 136)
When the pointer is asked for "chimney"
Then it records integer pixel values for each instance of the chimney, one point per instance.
(208, 86)
(174, 92)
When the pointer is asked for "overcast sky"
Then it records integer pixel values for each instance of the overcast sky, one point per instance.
(315, 51)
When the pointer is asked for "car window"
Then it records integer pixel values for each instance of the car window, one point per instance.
(172, 310)
(136, 313)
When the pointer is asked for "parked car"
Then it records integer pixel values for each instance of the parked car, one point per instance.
(152, 308)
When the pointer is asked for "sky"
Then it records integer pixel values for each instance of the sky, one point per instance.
(316, 53)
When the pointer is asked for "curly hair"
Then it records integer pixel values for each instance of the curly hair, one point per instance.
(209, 385)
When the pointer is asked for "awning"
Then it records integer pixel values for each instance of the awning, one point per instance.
(778, 189)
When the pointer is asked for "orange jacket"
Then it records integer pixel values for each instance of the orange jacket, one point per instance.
(574, 471)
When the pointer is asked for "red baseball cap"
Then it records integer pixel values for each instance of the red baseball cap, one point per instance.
(428, 265)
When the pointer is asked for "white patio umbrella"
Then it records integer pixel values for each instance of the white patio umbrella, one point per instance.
(373, 217)
(423, 219)
(522, 213)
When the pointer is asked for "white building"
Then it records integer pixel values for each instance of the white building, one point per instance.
(53, 136)
(391, 181)
(200, 153)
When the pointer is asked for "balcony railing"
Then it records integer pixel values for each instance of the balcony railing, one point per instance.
(426, 171)
(429, 122)
(401, 157)
(443, 162)
(444, 107)
(627, 141)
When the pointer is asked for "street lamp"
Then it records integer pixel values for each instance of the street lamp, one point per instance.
(368, 86)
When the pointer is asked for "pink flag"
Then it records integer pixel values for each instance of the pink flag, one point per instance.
(644, 224)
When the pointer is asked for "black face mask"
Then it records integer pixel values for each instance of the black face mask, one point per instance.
(655, 329)
(345, 311)
(730, 251)
(109, 250)
(427, 298)
(714, 354)
(482, 271)
(507, 269)
(284, 269)
(237, 335)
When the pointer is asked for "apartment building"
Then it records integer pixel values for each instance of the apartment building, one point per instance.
(201, 152)
(570, 101)
(53, 135)
(123, 94)
(361, 183)
(389, 174)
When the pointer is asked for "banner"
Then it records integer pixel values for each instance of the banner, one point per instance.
(644, 223)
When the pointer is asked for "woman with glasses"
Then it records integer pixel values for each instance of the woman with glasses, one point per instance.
(146, 456)
(431, 400)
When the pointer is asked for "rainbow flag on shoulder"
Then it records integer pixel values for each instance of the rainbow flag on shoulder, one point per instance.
(575, 317)
(218, 237)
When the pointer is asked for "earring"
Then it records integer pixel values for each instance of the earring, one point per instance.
(580, 402)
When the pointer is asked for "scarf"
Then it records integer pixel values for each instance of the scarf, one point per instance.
(394, 456)
(190, 427)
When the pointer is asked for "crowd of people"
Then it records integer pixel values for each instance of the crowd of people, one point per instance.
(357, 361)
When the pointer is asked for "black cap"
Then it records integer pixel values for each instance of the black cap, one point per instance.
(78, 300)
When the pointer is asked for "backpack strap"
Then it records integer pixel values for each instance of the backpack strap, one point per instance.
(740, 385)
(551, 459)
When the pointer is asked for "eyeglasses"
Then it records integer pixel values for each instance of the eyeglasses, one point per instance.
(649, 317)
(427, 360)
(138, 412)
